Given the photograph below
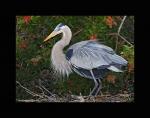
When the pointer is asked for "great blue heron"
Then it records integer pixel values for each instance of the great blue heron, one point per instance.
(89, 59)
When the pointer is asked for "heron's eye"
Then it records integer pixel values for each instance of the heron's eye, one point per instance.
(59, 27)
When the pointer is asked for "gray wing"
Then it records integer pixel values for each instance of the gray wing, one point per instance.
(90, 54)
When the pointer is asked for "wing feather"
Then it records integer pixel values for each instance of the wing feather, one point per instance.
(91, 54)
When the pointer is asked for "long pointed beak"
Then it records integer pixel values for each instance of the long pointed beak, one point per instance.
(54, 33)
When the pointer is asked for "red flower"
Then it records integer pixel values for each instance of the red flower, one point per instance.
(110, 21)
(93, 37)
(26, 19)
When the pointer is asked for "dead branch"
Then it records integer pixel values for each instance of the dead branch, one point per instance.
(42, 96)
(74, 98)
(48, 91)
(29, 91)
(77, 98)
(111, 34)
(125, 39)
(117, 40)
(32, 100)
(121, 24)
(118, 34)
(77, 32)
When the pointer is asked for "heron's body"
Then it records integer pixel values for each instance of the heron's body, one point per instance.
(89, 59)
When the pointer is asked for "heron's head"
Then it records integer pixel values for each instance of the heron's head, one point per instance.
(59, 28)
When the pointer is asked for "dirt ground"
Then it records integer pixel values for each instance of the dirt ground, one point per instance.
(74, 98)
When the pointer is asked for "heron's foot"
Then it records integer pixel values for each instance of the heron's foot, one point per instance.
(96, 93)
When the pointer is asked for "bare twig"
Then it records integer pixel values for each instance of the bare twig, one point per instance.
(121, 24)
(77, 98)
(42, 97)
(48, 91)
(29, 91)
(118, 34)
(32, 100)
(111, 34)
(117, 39)
(119, 29)
(125, 40)
(77, 32)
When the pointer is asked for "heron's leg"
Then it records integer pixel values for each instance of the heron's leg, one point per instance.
(99, 87)
(96, 83)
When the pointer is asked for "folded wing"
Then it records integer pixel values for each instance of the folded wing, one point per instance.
(91, 54)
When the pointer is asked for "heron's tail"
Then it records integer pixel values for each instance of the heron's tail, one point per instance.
(119, 60)
(118, 63)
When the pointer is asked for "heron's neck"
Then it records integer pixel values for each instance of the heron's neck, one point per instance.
(58, 57)
(65, 40)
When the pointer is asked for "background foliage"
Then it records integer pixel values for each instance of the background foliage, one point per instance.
(33, 56)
